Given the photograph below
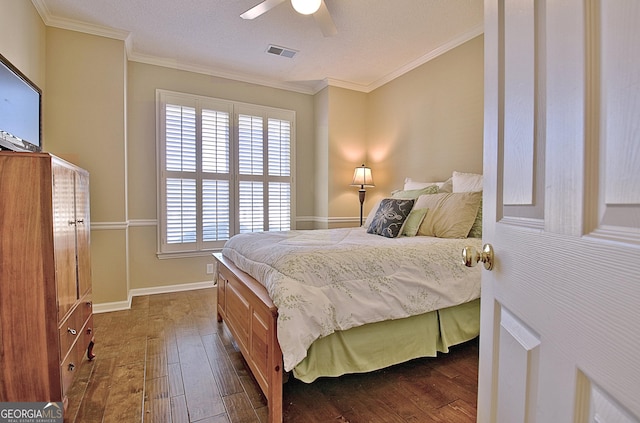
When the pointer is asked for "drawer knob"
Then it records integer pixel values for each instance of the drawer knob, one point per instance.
(72, 331)
(89, 330)
(72, 367)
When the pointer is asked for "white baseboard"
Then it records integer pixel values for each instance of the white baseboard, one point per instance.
(138, 292)
(114, 306)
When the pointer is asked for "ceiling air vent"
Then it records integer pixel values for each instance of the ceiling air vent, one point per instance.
(281, 51)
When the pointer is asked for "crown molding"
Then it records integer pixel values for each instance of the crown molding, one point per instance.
(250, 79)
(74, 25)
(347, 85)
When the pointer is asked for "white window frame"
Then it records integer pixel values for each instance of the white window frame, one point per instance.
(235, 109)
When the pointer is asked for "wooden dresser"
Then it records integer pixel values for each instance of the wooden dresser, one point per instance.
(46, 323)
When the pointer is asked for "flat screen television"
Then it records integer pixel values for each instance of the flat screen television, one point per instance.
(20, 110)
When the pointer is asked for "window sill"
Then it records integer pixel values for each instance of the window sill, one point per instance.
(187, 254)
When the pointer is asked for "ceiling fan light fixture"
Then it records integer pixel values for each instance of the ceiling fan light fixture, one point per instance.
(306, 7)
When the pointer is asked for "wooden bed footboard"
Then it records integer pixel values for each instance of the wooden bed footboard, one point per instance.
(247, 310)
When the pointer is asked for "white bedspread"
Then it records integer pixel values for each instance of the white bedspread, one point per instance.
(323, 281)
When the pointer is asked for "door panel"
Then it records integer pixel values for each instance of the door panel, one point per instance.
(620, 41)
(519, 102)
(559, 326)
(616, 81)
(518, 370)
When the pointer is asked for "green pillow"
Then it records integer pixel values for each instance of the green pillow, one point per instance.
(414, 193)
(415, 218)
(476, 229)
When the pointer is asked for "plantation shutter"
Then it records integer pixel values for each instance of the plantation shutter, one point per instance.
(279, 166)
(225, 168)
(264, 163)
(250, 163)
(216, 190)
(181, 162)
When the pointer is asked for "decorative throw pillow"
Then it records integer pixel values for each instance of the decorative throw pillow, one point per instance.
(414, 193)
(451, 215)
(390, 217)
(411, 226)
(405, 193)
(476, 229)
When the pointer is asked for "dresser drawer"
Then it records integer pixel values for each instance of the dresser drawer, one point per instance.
(70, 330)
(74, 358)
(69, 367)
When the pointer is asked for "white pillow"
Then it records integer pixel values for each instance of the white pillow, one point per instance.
(466, 182)
(371, 214)
(410, 184)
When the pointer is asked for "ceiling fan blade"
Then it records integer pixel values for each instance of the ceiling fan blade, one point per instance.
(323, 18)
(260, 8)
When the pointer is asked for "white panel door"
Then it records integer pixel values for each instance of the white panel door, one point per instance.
(560, 325)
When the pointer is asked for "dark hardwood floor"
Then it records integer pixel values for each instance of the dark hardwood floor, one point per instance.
(169, 360)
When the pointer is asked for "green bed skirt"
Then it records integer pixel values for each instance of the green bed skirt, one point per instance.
(378, 345)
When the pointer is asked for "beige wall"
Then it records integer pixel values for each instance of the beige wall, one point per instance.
(320, 185)
(22, 39)
(85, 111)
(85, 108)
(340, 147)
(347, 149)
(424, 124)
(99, 112)
(428, 122)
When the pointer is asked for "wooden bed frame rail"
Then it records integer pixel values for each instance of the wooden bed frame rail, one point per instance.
(247, 310)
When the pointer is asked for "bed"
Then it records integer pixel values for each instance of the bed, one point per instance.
(328, 302)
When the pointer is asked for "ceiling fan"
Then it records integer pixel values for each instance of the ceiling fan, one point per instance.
(317, 8)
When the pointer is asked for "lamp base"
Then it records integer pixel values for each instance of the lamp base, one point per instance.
(361, 193)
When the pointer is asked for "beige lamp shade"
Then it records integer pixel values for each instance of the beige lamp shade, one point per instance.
(362, 177)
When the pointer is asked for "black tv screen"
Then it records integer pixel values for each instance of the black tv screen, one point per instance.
(20, 110)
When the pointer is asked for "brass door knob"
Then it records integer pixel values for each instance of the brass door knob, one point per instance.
(471, 257)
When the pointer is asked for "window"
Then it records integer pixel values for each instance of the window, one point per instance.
(224, 168)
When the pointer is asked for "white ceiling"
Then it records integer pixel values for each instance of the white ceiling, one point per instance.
(377, 40)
